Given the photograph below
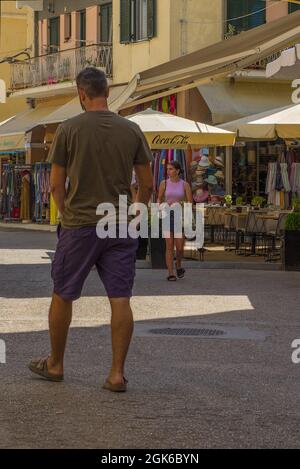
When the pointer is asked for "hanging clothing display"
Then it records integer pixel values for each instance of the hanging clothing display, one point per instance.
(283, 179)
(15, 192)
(295, 178)
(42, 192)
(25, 197)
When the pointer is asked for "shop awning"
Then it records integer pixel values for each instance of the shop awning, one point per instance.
(231, 100)
(283, 123)
(73, 107)
(218, 60)
(12, 131)
(286, 66)
(168, 131)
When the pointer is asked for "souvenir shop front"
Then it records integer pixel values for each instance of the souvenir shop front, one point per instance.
(270, 170)
(25, 181)
(204, 166)
(266, 158)
(195, 146)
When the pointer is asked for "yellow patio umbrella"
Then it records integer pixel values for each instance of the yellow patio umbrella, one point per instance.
(283, 123)
(166, 131)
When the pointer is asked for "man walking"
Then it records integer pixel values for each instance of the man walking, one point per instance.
(97, 151)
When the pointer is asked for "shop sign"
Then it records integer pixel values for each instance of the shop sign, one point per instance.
(176, 140)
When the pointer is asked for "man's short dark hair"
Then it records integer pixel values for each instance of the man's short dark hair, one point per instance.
(93, 81)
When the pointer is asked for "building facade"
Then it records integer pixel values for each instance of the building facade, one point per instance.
(17, 35)
(125, 38)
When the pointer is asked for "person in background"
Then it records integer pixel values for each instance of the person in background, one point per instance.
(134, 187)
(171, 191)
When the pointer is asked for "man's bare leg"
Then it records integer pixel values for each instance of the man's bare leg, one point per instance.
(121, 334)
(60, 317)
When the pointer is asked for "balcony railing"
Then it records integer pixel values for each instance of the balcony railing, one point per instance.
(60, 67)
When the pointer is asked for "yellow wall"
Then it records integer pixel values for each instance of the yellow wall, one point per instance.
(202, 26)
(129, 59)
(195, 24)
(17, 33)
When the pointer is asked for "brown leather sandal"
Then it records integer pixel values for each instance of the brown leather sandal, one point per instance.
(40, 367)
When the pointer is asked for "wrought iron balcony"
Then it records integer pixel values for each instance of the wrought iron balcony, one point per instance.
(60, 67)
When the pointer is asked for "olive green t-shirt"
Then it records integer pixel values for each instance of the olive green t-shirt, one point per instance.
(99, 150)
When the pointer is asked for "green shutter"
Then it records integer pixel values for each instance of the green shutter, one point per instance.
(259, 8)
(245, 14)
(293, 7)
(125, 21)
(151, 18)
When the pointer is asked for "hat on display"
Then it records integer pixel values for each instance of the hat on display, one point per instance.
(211, 171)
(201, 196)
(215, 199)
(200, 174)
(219, 174)
(219, 161)
(199, 182)
(219, 191)
(204, 162)
(193, 165)
(212, 180)
(205, 152)
(197, 185)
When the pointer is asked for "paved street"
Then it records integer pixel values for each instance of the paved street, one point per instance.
(185, 392)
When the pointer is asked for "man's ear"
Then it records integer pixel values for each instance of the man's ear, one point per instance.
(81, 94)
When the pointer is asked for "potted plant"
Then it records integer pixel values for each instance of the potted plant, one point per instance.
(257, 202)
(239, 203)
(228, 200)
(291, 247)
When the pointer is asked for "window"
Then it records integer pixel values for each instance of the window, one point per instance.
(82, 28)
(138, 20)
(141, 20)
(293, 7)
(54, 35)
(106, 23)
(68, 26)
(245, 14)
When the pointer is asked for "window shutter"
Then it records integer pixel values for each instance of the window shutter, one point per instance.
(125, 21)
(258, 18)
(104, 23)
(248, 13)
(151, 18)
(293, 7)
(235, 10)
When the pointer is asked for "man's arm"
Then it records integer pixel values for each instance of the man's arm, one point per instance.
(145, 182)
(58, 186)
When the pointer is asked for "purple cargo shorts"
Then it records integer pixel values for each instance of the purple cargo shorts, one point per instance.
(78, 250)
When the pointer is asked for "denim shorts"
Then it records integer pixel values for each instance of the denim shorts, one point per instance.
(78, 250)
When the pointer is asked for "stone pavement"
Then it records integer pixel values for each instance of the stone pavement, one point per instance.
(184, 392)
